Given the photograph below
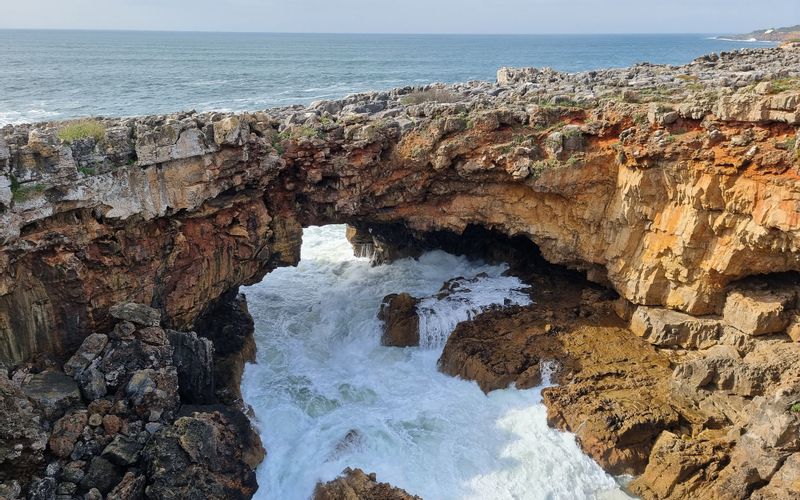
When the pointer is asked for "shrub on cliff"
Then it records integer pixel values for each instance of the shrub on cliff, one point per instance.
(82, 129)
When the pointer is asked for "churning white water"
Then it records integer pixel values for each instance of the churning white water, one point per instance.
(327, 395)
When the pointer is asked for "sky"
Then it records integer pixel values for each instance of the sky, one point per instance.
(406, 16)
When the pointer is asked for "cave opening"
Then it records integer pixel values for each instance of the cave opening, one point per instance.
(327, 394)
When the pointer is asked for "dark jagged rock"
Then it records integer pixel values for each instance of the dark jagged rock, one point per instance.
(194, 358)
(53, 392)
(198, 456)
(22, 436)
(230, 328)
(102, 475)
(130, 399)
(42, 489)
(130, 488)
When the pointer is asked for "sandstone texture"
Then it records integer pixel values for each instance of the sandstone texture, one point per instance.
(675, 190)
(691, 406)
(400, 320)
(666, 183)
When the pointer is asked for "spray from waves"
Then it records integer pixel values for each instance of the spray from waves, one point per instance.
(327, 395)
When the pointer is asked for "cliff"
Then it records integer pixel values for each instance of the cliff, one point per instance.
(669, 185)
(787, 34)
(666, 183)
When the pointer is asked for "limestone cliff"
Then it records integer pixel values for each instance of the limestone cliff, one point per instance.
(670, 185)
(667, 183)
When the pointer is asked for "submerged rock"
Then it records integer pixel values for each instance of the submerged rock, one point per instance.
(400, 320)
(355, 484)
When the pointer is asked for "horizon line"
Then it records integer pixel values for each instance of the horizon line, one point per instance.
(137, 30)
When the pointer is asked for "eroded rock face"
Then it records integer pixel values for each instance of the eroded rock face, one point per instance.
(665, 183)
(697, 408)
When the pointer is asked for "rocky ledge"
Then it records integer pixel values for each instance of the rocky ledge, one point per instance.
(694, 408)
(131, 414)
(671, 186)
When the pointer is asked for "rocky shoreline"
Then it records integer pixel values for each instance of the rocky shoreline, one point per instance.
(671, 193)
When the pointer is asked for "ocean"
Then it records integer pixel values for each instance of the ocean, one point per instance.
(51, 75)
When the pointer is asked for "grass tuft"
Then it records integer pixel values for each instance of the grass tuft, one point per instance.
(82, 129)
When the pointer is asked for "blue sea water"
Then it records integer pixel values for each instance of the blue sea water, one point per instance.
(47, 75)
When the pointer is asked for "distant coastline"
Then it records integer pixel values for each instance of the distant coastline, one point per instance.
(786, 34)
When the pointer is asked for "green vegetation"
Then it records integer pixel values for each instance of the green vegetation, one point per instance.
(574, 159)
(82, 129)
(784, 84)
(539, 166)
(22, 193)
(517, 140)
(795, 408)
(432, 95)
(87, 170)
(277, 143)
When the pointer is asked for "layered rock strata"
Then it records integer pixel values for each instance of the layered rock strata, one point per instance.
(694, 407)
(670, 185)
(667, 183)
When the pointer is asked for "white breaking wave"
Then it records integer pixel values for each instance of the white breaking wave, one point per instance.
(327, 395)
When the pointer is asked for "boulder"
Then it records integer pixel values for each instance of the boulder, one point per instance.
(793, 330)
(102, 475)
(130, 488)
(42, 489)
(400, 320)
(198, 456)
(53, 392)
(138, 314)
(91, 347)
(355, 484)
(758, 312)
(66, 433)
(153, 335)
(153, 391)
(22, 436)
(123, 450)
(668, 328)
(194, 358)
(92, 382)
(786, 480)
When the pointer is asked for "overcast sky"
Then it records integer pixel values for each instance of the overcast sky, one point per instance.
(406, 16)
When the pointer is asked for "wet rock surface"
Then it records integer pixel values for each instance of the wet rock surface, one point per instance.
(400, 320)
(684, 403)
(355, 484)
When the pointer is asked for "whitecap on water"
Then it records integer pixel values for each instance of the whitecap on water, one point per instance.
(327, 395)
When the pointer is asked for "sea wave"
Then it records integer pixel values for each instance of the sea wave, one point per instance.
(29, 116)
(748, 40)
